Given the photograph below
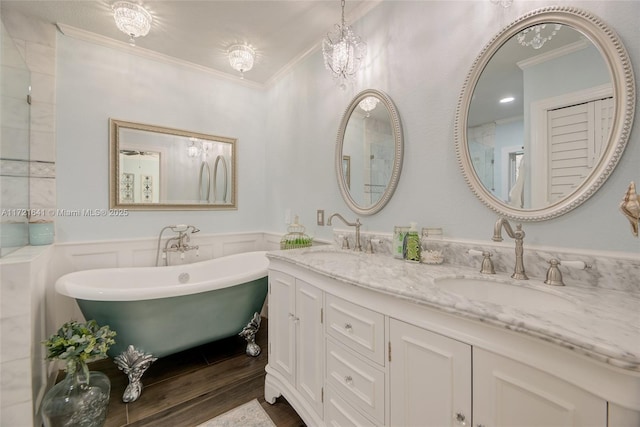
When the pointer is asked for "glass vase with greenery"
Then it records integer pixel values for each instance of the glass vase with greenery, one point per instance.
(82, 397)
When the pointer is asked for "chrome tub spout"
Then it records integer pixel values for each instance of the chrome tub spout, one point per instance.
(181, 244)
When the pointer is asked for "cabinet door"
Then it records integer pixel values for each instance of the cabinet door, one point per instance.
(281, 324)
(430, 378)
(510, 393)
(310, 344)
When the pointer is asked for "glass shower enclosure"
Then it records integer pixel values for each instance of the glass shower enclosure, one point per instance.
(15, 82)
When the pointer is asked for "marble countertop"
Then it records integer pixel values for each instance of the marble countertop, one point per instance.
(601, 323)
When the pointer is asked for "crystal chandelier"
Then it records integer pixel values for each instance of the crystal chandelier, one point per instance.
(241, 57)
(131, 19)
(537, 40)
(368, 104)
(343, 52)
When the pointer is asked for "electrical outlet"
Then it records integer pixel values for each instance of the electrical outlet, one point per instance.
(320, 216)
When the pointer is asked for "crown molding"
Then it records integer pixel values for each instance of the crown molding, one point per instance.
(98, 39)
(553, 54)
(362, 9)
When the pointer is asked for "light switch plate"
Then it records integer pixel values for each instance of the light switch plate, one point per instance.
(320, 216)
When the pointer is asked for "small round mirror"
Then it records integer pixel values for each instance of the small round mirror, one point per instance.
(369, 151)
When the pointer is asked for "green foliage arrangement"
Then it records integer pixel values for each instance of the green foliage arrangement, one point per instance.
(293, 242)
(76, 343)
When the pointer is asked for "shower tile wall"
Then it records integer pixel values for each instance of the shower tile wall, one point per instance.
(23, 277)
(36, 41)
(14, 146)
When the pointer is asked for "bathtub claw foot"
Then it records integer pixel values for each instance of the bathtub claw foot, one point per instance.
(249, 334)
(134, 363)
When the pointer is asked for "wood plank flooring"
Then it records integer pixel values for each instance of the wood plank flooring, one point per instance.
(191, 387)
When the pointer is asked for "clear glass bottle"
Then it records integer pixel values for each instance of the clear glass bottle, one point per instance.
(78, 400)
(399, 234)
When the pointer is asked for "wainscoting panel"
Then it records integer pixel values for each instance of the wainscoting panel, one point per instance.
(95, 260)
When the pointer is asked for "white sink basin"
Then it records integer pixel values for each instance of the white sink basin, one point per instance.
(505, 294)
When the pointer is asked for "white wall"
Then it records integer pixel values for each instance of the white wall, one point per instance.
(419, 53)
(96, 83)
(287, 133)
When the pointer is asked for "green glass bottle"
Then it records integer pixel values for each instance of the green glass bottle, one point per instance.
(411, 246)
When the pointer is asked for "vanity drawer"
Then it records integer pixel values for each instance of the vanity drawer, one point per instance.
(357, 381)
(356, 327)
(339, 413)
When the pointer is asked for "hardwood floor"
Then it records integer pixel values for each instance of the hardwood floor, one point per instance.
(191, 387)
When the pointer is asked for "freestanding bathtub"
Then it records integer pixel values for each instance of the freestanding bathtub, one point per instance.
(158, 311)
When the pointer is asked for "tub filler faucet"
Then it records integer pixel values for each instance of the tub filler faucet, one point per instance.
(357, 224)
(178, 244)
(518, 236)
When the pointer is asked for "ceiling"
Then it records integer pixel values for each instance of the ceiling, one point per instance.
(199, 32)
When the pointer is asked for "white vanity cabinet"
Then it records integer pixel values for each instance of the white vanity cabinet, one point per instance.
(430, 378)
(346, 355)
(296, 338)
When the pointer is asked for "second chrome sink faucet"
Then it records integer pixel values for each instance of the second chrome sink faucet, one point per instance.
(518, 236)
(357, 224)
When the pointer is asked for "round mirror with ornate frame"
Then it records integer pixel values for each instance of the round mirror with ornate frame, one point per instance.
(369, 152)
(572, 98)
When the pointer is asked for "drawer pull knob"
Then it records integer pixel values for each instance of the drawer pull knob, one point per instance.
(348, 380)
(461, 419)
(348, 327)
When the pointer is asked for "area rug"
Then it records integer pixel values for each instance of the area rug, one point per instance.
(249, 414)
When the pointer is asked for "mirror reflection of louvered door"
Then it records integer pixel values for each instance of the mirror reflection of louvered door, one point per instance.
(575, 137)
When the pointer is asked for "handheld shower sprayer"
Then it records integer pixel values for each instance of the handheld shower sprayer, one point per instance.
(183, 228)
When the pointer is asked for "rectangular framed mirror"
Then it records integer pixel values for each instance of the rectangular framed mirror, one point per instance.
(159, 168)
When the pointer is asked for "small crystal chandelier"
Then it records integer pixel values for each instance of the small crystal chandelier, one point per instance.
(537, 41)
(343, 52)
(368, 104)
(132, 20)
(241, 57)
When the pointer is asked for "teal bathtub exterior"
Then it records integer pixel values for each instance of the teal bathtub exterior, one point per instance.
(159, 311)
(163, 310)
(168, 325)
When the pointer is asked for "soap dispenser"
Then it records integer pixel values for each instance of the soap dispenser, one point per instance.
(411, 246)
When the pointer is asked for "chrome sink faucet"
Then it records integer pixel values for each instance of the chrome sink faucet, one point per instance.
(357, 224)
(518, 236)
